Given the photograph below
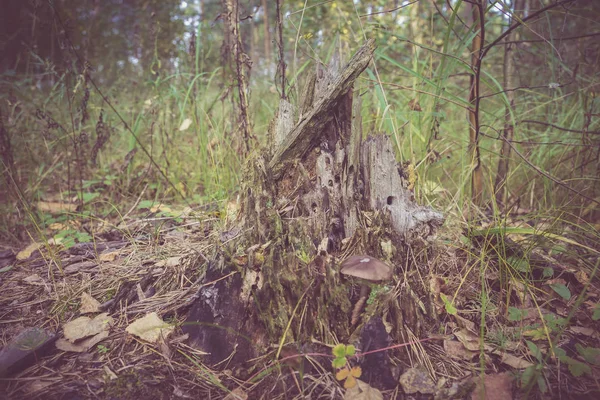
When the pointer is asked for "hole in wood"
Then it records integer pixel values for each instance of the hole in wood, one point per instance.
(314, 207)
(390, 200)
(330, 183)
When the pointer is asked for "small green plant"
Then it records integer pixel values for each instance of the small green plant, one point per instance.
(535, 374)
(450, 308)
(102, 349)
(577, 368)
(69, 237)
(375, 291)
(341, 352)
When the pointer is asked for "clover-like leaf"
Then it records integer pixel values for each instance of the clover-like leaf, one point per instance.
(339, 362)
(350, 350)
(356, 372)
(350, 382)
(339, 350)
(342, 374)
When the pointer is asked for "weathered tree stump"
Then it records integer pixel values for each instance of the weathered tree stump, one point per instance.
(322, 194)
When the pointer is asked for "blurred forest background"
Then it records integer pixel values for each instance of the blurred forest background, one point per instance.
(105, 103)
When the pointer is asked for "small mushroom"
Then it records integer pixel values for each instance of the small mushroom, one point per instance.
(368, 269)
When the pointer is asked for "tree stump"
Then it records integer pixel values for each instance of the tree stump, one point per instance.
(322, 194)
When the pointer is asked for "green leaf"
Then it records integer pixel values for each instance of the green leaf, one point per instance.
(350, 350)
(518, 263)
(536, 334)
(87, 197)
(562, 290)
(516, 314)
(578, 368)
(339, 350)
(547, 272)
(146, 204)
(596, 314)
(6, 269)
(534, 350)
(528, 375)
(560, 353)
(554, 322)
(450, 309)
(339, 362)
(590, 354)
(542, 384)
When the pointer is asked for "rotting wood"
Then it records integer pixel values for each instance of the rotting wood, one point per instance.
(324, 193)
(299, 140)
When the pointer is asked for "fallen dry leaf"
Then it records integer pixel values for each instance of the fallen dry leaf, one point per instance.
(83, 327)
(150, 328)
(185, 124)
(88, 304)
(362, 391)
(493, 387)
(34, 279)
(465, 324)
(108, 257)
(580, 330)
(82, 345)
(513, 361)
(80, 267)
(237, 394)
(27, 251)
(470, 341)
(169, 262)
(55, 207)
(457, 351)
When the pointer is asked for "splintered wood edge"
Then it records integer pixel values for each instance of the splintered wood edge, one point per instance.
(299, 140)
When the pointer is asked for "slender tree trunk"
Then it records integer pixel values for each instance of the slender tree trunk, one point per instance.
(477, 10)
(267, 38)
(240, 65)
(509, 84)
(281, 65)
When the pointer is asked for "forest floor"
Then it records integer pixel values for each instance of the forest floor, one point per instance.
(109, 313)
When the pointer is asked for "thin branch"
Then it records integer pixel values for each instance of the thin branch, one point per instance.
(521, 22)
(389, 11)
(552, 178)
(560, 128)
(559, 39)
(529, 142)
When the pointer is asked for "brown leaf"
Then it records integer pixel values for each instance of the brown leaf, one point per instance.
(80, 267)
(457, 351)
(54, 207)
(83, 327)
(150, 328)
(493, 387)
(362, 391)
(237, 394)
(107, 257)
(414, 105)
(27, 251)
(88, 304)
(466, 324)
(82, 345)
(513, 361)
